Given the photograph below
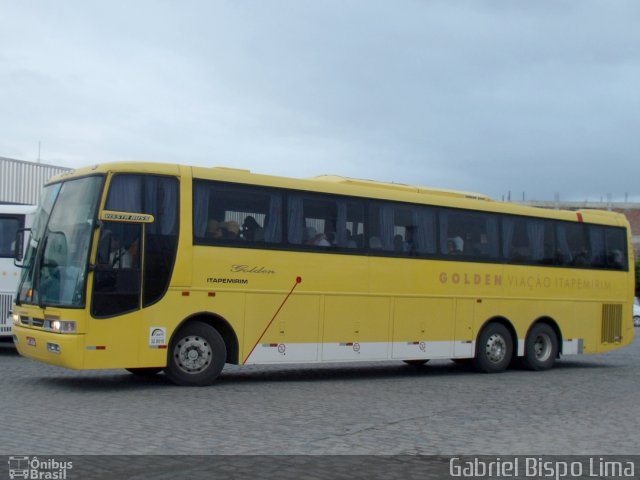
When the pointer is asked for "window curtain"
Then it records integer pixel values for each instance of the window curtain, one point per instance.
(272, 226)
(161, 201)
(493, 237)
(341, 224)
(153, 195)
(508, 227)
(295, 219)
(535, 234)
(443, 220)
(425, 235)
(386, 227)
(597, 246)
(562, 245)
(200, 210)
(125, 194)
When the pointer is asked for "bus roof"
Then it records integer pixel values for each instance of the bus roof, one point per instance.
(335, 184)
(400, 187)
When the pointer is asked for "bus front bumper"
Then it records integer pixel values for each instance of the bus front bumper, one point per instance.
(64, 350)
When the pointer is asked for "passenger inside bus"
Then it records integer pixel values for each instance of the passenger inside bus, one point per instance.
(214, 230)
(455, 246)
(409, 245)
(222, 230)
(231, 230)
(314, 238)
(398, 243)
(251, 230)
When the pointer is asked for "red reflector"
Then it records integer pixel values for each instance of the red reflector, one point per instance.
(185, 294)
(101, 347)
(212, 294)
(580, 219)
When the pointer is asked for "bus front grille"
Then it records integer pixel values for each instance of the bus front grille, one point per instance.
(6, 300)
(611, 323)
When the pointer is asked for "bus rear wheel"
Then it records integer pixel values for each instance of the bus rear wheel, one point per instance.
(494, 349)
(541, 347)
(196, 355)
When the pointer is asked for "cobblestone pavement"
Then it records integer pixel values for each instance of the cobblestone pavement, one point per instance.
(587, 405)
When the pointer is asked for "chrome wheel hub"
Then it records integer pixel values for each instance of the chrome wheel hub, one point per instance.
(192, 354)
(542, 347)
(496, 348)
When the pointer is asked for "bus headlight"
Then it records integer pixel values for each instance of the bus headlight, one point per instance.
(61, 326)
(16, 318)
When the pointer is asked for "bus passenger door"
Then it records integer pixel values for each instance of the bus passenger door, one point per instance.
(115, 302)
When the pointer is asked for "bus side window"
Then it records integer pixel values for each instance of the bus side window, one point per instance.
(9, 227)
(242, 214)
(616, 246)
(311, 220)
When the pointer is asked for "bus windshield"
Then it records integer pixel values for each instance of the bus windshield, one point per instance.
(58, 250)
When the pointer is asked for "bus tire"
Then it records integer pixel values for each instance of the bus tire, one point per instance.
(196, 356)
(145, 372)
(494, 349)
(540, 348)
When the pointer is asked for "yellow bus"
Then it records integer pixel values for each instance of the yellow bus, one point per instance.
(154, 267)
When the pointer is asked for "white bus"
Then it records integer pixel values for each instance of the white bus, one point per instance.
(12, 219)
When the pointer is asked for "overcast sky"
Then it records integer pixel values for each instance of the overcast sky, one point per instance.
(536, 97)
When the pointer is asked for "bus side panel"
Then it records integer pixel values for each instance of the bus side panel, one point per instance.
(356, 327)
(113, 342)
(423, 328)
(293, 334)
(464, 339)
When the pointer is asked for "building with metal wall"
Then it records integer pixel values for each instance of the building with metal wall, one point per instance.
(21, 181)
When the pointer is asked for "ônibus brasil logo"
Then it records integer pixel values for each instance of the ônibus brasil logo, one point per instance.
(34, 468)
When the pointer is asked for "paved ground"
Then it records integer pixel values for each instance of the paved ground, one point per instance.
(587, 405)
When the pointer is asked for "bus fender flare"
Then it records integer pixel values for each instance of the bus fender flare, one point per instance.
(223, 327)
(509, 326)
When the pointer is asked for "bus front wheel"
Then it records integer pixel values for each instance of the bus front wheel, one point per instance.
(196, 355)
(494, 349)
(541, 347)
